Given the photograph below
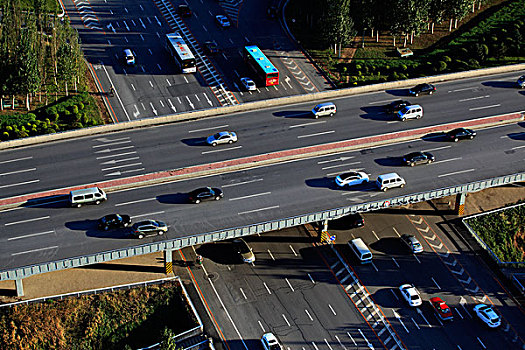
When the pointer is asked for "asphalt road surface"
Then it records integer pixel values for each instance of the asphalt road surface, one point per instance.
(103, 157)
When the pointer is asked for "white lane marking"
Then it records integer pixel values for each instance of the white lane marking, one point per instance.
(397, 233)
(136, 201)
(112, 144)
(395, 295)
(437, 285)
(308, 314)
(34, 250)
(340, 159)
(260, 324)
(395, 262)
(116, 155)
(121, 166)
(20, 183)
(464, 89)
(286, 320)
(473, 98)
(293, 250)
(417, 326)
(415, 256)
(107, 150)
(244, 295)
(289, 285)
(115, 161)
(483, 345)
(30, 235)
(381, 102)
(210, 128)
(147, 214)
(256, 210)
(367, 342)
(15, 160)
(271, 255)
(484, 107)
(307, 124)
(18, 171)
(517, 147)
(374, 232)
(351, 338)
(447, 160)
(24, 221)
(436, 149)
(339, 165)
(221, 150)
(339, 172)
(311, 278)
(241, 183)
(332, 309)
(267, 289)
(316, 134)
(396, 315)
(250, 196)
(457, 172)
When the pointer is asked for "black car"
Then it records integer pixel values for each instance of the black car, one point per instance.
(416, 158)
(211, 48)
(461, 134)
(355, 220)
(422, 89)
(113, 221)
(205, 194)
(184, 11)
(148, 228)
(396, 106)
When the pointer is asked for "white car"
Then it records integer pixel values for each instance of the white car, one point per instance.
(248, 84)
(221, 137)
(222, 21)
(129, 57)
(486, 314)
(270, 342)
(351, 178)
(411, 295)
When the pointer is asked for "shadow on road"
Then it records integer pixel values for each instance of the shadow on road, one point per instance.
(294, 114)
(195, 141)
(500, 84)
(48, 202)
(376, 113)
(174, 198)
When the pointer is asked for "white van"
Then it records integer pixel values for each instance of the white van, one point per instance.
(360, 250)
(390, 180)
(410, 112)
(324, 109)
(87, 196)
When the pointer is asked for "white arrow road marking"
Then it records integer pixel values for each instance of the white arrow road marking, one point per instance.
(467, 281)
(153, 108)
(417, 221)
(424, 229)
(172, 106)
(190, 103)
(208, 99)
(121, 166)
(453, 263)
(119, 160)
(136, 113)
(460, 272)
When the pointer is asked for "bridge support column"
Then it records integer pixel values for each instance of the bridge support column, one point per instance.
(19, 288)
(168, 261)
(325, 225)
(461, 198)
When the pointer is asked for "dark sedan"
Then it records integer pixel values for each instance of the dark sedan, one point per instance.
(416, 158)
(396, 106)
(461, 134)
(184, 10)
(113, 221)
(355, 220)
(211, 48)
(205, 194)
(422, 89)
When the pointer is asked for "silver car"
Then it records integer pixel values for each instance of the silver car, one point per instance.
(248, 84)
(221, 137)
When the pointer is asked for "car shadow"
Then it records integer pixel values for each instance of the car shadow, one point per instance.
(390, 161)
(390, 246)
(49, 202)
(223, 253)
(376, 113)
(344, 223)
(173, 198)
(435, 137)
(501, 84)
(294, 114)
(518, 136)
(398, 92)
(91, 230)
(195, 141)
(328, 182)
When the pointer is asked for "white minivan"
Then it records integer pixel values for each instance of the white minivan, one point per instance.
(390, 180)
(360, 250)
(410, 112)
(87, 196)
(324, 109)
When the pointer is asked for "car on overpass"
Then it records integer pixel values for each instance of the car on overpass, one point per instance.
(422, 89)
(221, 137)
(205, 194)
(461, 134)
(351, 178)
(396, 106)
(222, 21)
(410, 294)
(417, 158)
(487, 315)
(211, 48)
(441, 308)
(148, 228)
(113, 221)
(521, 82)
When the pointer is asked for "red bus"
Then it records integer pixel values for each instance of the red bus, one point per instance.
(261, 65)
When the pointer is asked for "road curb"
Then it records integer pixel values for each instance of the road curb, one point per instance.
(263, 159)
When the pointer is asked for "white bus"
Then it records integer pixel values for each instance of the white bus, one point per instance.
(181, 53)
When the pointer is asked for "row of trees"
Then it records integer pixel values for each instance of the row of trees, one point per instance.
(340, 20)
(39, 53)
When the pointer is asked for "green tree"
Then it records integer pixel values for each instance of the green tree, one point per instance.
(339, 26)
(168, 340)
(28, 78)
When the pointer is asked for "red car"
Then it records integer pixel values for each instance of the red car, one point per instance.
(441, 308)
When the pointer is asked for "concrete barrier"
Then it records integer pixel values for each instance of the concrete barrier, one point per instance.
(268, 158)
(257, 105)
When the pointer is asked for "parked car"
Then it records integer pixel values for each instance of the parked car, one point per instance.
(245, 251)
(205, 194)
(396, 106)
(487, 315)
(129, 58)
(184, 10)
(355, 220)
(270, 342)
(221, 137)
(422, 89)
(211, 48)
(416, 158)
(412, 243)
(248, 84)
(148, 228)
(461, 134)
(351, 178)
(410, 294)
(441, 308)
(521, 82)
(113, 221)
(222, 21)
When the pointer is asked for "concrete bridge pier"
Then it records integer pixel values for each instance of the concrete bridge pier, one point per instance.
(461, 198)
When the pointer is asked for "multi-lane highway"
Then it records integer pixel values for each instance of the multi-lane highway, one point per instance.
(134, 152)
